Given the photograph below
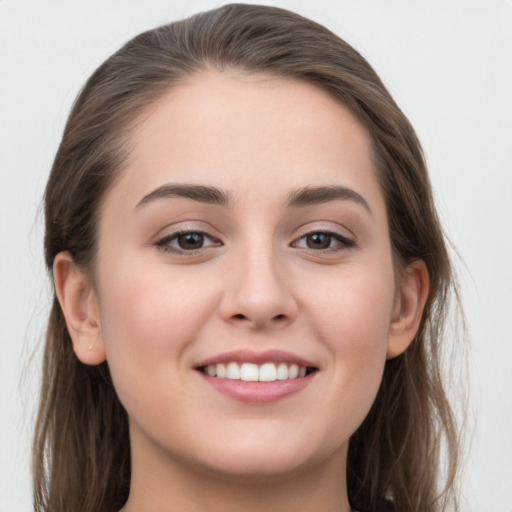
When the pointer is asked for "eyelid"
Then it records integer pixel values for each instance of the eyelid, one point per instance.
(345, 242)
(163, 243)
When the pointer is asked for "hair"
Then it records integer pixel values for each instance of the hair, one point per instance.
(81, 448)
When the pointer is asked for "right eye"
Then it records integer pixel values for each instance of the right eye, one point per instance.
(184, 242)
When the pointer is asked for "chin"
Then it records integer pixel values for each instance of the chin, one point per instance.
(263, 460)
(259, 468)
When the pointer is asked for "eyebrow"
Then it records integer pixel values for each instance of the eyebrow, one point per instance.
(309, 196)
(200, 193)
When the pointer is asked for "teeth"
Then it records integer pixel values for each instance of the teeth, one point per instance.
(293, 372)
(221, 370)
(233, 371)
(249, 372)
(268, 372)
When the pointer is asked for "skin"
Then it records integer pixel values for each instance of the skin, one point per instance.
(255, 284)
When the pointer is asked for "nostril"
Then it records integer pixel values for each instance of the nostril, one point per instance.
(259, 319)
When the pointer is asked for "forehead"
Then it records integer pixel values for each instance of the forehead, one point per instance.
(236, 131)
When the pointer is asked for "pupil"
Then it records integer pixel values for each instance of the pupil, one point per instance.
(190, 241)
(319, 241)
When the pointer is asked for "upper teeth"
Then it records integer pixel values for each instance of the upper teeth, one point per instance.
(250, 372)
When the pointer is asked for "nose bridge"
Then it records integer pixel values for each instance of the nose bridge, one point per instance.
(259, 293)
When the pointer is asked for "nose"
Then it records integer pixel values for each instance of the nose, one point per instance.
(258, 295)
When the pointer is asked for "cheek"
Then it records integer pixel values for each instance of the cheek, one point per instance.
(353, 320)
(148, 316)
(353, 309)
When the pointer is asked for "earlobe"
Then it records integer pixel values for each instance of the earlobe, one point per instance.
(411, 298)
(79, 306)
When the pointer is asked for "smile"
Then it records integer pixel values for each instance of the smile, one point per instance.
(257, 377)
(250, 372)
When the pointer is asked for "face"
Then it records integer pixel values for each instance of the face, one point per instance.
(244, 285)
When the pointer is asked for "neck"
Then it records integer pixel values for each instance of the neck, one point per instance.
(161, 483)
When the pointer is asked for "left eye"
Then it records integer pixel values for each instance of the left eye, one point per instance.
(320, 240)
(186, 241)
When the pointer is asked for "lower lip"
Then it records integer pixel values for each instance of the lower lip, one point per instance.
(258, 392)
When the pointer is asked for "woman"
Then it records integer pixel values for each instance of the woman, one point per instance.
(250, 282)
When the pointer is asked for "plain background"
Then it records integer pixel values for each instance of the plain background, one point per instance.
(447, 63)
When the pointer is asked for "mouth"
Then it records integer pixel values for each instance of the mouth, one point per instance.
(257, 377)
(250, 372)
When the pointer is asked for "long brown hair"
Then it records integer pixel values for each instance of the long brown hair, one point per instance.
(81, 446)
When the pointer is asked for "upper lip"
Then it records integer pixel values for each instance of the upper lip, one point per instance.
(250, 356)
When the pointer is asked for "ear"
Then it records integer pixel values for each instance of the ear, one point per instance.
(410, 302)
(79, 305)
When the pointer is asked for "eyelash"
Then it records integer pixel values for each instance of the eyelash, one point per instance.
(164, 244)
(344, 242)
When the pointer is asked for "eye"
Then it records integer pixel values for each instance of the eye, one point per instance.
(323, 240)
(186, 241)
